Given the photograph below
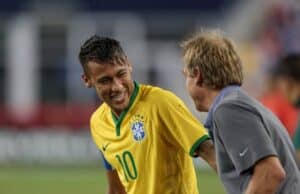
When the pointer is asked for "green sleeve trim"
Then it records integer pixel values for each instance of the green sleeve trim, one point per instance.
(196, 145)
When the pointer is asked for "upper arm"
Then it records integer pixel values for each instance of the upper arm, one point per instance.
(106, 164)
(181, 127)
(207, 151)
(267, 176)
(269, 167)
(243, 135)
(114, 184)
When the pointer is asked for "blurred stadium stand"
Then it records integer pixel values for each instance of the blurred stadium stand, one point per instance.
(40, 72)
(41, 94)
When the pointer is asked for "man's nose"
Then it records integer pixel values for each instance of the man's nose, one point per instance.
(116, 85)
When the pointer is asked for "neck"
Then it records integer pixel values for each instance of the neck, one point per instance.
(211, 95)
(117, 114)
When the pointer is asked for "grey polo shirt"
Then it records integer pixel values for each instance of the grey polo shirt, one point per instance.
(245, 132)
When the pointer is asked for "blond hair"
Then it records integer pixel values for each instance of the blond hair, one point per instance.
(215, 57)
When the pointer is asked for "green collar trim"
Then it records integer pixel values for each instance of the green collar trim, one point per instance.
(119, 120)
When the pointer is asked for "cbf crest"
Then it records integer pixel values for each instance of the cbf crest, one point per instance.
(138, 127)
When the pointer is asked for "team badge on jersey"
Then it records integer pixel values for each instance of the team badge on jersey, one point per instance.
(138, 127)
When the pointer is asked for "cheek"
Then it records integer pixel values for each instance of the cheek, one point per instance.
(127, 82)
(187, 83)
(102, 93)
(189, 86)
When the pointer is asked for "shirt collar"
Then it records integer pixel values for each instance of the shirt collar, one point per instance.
(216, 102)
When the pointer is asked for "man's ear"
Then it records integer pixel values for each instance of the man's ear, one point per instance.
(198, 75)
(86, 81)
(130, 68)
(128, 64)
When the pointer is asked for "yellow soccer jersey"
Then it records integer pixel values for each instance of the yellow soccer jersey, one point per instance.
(151, 142)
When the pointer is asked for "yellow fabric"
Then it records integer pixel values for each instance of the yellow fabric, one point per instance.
(157, 161)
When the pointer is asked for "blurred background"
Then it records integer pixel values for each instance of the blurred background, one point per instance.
(44, 106)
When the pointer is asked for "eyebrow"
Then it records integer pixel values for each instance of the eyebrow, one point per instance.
(104, 78)
(109, 77)
(122, 70)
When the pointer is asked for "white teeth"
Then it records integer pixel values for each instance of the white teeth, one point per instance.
(118, 97)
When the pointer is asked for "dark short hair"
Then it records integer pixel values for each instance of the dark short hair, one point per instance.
(288, 66)
(101, 50)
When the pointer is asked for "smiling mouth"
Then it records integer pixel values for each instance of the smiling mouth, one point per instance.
(119, 98)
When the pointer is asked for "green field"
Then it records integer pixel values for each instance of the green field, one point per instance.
(73, 180)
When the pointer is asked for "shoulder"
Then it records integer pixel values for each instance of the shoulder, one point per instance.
(238, 100)
(238, 103)
(98, 114)
(240, 116)
(158, 95)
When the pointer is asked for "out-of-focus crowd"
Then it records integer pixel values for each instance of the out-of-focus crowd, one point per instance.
(280, 41)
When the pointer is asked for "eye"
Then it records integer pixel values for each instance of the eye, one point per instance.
(103, 81)
(122, 74)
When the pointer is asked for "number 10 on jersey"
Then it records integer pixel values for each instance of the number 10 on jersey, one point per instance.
(128, 165)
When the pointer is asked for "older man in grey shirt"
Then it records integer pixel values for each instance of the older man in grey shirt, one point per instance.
(254, 152)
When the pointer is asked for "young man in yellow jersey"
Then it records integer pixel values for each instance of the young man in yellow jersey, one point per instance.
(146, 134)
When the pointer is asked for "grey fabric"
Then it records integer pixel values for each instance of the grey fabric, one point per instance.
(244, 133)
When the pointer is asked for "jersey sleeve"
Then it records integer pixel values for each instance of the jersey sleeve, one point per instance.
(106, 164)
(182, 128)
(244, 136)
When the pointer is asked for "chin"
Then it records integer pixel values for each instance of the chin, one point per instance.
(201, 108)
(122, 106)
